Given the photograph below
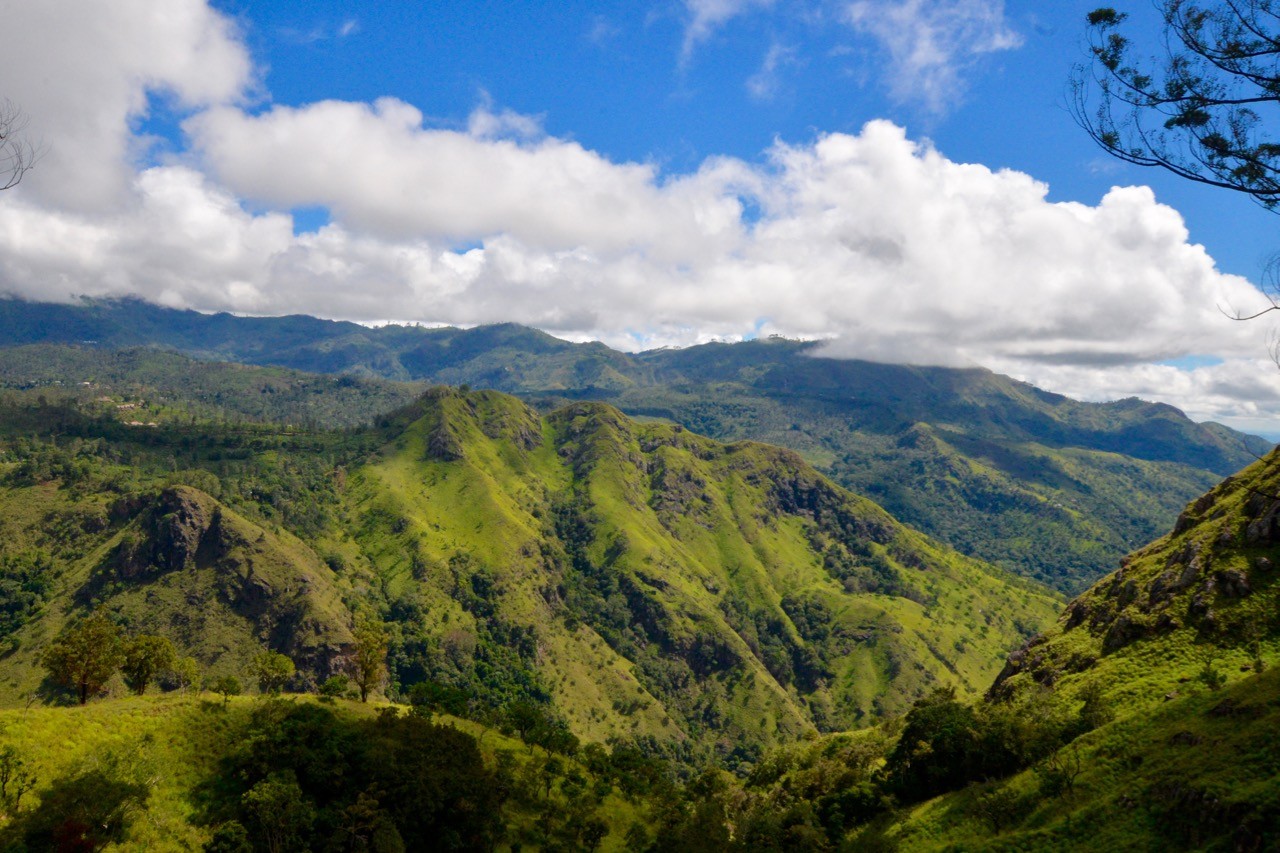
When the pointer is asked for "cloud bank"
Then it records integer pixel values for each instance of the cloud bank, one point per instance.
(873, 241)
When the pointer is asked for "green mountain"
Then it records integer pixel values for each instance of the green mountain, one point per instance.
(1144, 720)
(1034, 482)
(1204, 595)
(1182, 644)
(645, 582)
(174, 562)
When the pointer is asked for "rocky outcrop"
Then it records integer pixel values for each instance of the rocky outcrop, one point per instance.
(184, 538)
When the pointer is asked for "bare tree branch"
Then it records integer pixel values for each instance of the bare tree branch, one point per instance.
(17, 154)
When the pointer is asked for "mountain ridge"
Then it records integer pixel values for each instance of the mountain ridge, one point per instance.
(1037, 483)
(647, 582)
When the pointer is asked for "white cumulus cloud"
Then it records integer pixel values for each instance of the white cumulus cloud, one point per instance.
(83, 73)
(875, 242)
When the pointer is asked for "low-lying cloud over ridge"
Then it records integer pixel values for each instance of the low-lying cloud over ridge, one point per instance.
(873, 240)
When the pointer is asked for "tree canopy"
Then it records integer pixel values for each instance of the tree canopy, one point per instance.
(85, 657)
(1199, 112)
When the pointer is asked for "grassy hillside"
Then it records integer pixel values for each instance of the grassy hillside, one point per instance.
(1195, 773)
(1144, 721)
(642, 582)
(174, 562)
(1205, 595)
(174, 772)
(659, 584)
(1182, 644)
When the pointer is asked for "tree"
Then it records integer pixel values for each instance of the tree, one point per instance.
(185, 671)
(230, 837)
(938, 749)
(273, 671)
(998, 809)
(1198, 115)
(279, 813)
(145, 656)
(85, 657)
(226, 686)
(368, 664)
(17, 155)
(1210, 676)
(335, 686)
(16, 778)
(1058, 773)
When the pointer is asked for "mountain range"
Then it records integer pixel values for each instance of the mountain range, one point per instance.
(605, 549)
(1044, 486)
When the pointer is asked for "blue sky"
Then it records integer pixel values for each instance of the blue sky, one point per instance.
(620, 79)
(900, 178)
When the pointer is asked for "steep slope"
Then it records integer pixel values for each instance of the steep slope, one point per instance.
(1195, 773)
(1205, 595)
(658, 584)
(1181, 645)
(174, 562)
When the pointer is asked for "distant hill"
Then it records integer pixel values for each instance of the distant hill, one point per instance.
(1039, 484)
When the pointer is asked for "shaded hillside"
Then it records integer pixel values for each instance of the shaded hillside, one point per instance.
(175, 563)
(1039, 484)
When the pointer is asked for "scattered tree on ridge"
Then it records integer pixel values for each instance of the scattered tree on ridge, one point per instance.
(85, 657)
(145, 657)
(185, 672)
(17, 155)
(226, 686)
(368, 664)
(273, 671)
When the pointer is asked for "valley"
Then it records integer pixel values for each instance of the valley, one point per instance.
(639, 631)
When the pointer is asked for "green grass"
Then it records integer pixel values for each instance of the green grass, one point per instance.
(1197, 772)
(174, 745)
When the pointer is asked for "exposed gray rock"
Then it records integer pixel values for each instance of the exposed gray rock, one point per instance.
(1233, 583)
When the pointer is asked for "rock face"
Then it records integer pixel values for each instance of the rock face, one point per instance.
(277, 588)
(1264, 523)
(170, 531)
